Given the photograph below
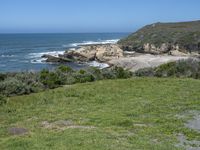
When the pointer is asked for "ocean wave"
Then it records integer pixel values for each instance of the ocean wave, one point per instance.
(98, 64)
(2, 65)
(38, 61)
(36, 57)
(113, 41)
(13, 60)
(24, 61)
(7, 56)
(53, 53)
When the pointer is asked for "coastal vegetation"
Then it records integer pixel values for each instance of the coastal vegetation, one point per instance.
(182, 36)
(21, 83)
(31, 82)
(189, 68)
(136, 113)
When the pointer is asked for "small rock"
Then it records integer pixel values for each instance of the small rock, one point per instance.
(63, 123)
(17, 131)
(194, 123)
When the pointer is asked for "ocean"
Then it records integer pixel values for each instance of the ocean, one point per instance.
(22, 52)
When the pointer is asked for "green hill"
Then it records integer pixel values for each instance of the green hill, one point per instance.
(138, 113)
(163, 37)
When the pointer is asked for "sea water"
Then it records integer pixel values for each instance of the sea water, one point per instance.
(22, 52)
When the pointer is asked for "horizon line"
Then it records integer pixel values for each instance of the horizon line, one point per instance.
(63, 32)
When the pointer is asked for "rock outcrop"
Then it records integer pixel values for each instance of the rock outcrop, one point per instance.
(101, 53)
(151, 48)
(56, 59)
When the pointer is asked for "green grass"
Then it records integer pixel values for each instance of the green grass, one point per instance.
(138, 113)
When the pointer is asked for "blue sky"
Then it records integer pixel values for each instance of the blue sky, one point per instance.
(62, 16)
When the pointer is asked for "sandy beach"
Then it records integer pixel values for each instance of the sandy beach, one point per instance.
(144, 61)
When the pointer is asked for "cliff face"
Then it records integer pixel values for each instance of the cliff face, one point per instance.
(164, 37)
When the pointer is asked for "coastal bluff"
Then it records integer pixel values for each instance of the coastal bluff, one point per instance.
(150, 46)
(159, 38)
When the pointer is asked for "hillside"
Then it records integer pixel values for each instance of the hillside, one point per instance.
(137, 113)
(164, 37)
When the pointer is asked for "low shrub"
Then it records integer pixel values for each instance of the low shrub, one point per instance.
(3, 100)
(12, 86)
(121, 73)
(188, 68)
(182, 68)
(65, 69)
(50, 79)
(2, 76)
(82, 78)
(148, 72)
(29, 82)
(82, 71)
(95, 72)
(166, 70)
(108, 73)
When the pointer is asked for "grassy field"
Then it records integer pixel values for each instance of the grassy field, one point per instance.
(138, 113)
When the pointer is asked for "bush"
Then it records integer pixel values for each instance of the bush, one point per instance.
(30, 79)
(2, 76)
(166, 70)
(82, 78)
(65, 69)
(95, 72)
(29, 82)
(82, 71)
(70, 80)
(148, 72)
(12, 86)
(3, 100)
(121, 73)
(188, 68)
(182, 68)
(50, 79)
(108, 73)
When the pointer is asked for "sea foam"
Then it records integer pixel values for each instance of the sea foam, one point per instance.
(113, 41)
(37, 57)
(7, 56)
(98, 64)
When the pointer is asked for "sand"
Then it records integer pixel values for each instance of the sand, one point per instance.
(134, 63)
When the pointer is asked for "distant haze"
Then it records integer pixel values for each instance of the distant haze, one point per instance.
(77, 16)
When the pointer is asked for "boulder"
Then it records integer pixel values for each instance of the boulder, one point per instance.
(55, 59)
(74, 55)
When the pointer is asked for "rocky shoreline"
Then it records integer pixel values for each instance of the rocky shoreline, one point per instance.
(113, 55)
(86, 53)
